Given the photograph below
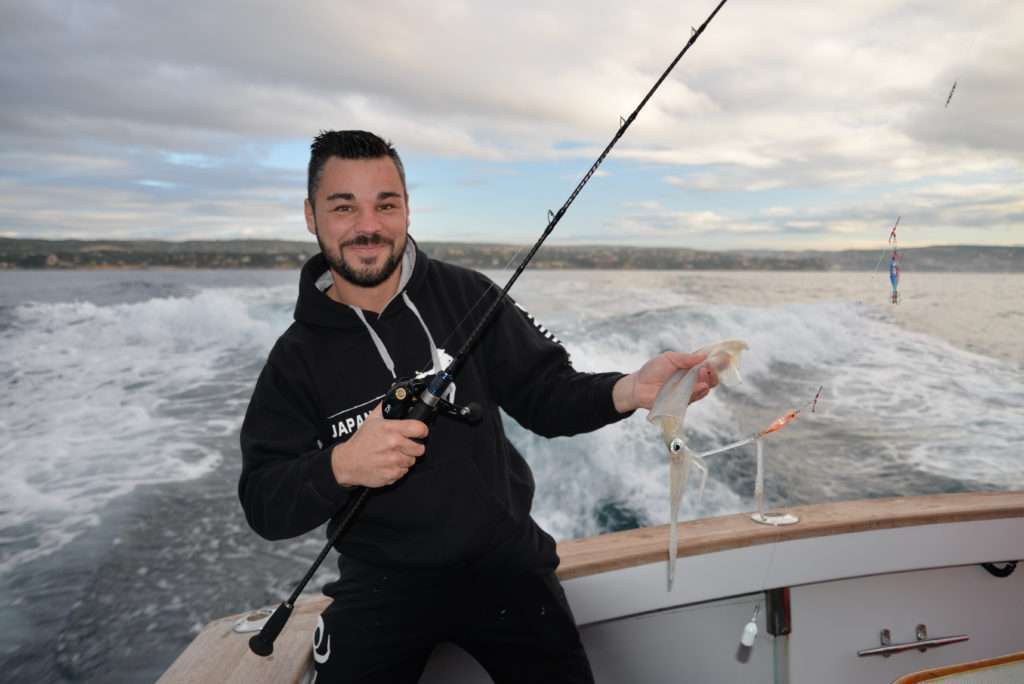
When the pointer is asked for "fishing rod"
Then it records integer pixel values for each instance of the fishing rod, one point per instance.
(420, 397)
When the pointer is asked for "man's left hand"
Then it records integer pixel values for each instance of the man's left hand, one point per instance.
(638, 390)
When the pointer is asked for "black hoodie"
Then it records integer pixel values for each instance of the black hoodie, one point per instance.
(467, 500)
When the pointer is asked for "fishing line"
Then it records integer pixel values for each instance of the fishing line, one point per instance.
(480, 300)
(886, 248)
(769, 566)
(750, 630)
(967, 57)
(760, 517)
(775, 426)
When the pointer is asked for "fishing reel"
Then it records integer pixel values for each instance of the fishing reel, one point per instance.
(420, 398)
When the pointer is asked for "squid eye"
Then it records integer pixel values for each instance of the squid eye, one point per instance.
(675, 446)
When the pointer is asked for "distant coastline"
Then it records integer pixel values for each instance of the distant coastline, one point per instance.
(19, 253)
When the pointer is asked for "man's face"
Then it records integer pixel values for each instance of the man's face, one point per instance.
(361, 218)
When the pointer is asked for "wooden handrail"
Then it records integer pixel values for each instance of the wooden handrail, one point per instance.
(616, 550)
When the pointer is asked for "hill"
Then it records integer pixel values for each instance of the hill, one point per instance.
(18, 253)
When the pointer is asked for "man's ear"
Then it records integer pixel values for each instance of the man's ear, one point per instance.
(310, 218)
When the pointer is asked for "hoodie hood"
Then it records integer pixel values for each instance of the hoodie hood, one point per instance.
(314, 307)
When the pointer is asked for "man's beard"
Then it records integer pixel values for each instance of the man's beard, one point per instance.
(367, 277)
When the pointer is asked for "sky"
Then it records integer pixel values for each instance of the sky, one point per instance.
(788, 125)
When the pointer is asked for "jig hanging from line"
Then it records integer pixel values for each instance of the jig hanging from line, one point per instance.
(894, 262)
(951, 91)
(894, 266)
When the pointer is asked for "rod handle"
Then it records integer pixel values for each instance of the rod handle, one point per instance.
(262, 643)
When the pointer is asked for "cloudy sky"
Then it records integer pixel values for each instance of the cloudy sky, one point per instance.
(804, 125)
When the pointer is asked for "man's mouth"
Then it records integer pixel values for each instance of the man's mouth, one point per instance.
(367, 242)
(368, 247)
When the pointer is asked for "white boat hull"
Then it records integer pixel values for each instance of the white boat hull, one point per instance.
(848, 570)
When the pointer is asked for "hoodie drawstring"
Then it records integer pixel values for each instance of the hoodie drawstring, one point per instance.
(435, 357)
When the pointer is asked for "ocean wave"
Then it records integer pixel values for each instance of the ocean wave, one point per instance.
(910, 408)
(103, 398)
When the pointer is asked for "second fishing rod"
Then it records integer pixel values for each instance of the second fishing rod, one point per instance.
(421, 397)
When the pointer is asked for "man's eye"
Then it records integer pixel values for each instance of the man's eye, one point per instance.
(343, 208)
(387, 207)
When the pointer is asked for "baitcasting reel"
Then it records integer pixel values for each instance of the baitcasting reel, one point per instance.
(419, 398)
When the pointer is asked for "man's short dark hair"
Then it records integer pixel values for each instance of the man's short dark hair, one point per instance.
(347, 145)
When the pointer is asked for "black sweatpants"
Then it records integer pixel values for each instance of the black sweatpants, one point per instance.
(383, 625)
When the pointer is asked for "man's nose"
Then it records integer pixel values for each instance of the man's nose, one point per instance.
(368, 222)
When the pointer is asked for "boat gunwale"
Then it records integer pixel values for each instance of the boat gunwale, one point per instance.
(630, 548)
(214, 655)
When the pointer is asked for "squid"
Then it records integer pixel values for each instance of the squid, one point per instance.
(669, 413)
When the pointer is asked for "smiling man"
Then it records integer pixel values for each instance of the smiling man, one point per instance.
(445, 549)
(361, 225)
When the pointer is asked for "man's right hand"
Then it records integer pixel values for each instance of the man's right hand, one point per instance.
(380, 453)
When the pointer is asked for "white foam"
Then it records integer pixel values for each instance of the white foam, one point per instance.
(105, 398)
(99, 399)
(899, 395)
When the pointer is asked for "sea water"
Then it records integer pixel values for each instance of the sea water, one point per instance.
(123, 393)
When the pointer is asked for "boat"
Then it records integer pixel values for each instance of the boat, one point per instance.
(905, 589)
